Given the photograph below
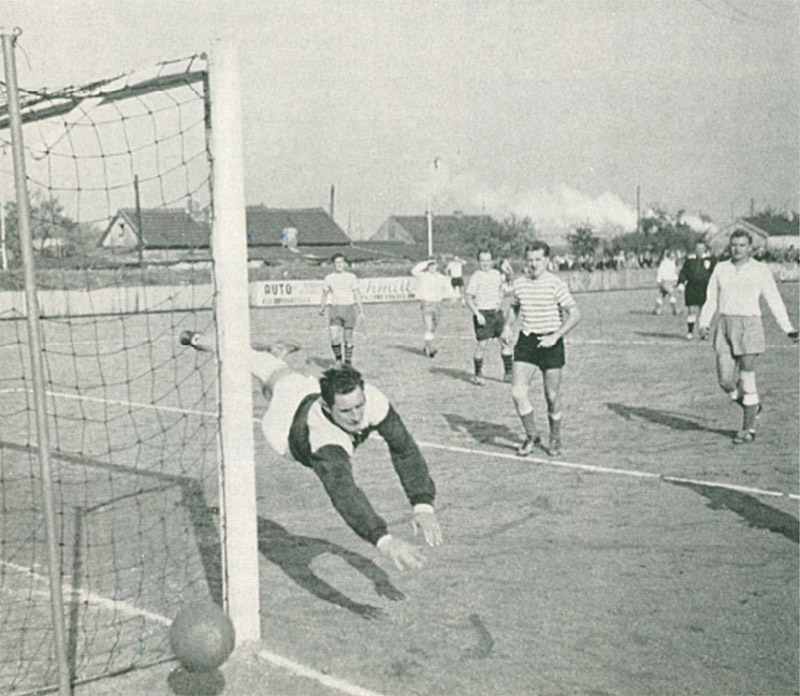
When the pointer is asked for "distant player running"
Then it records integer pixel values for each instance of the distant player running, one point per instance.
(486, 293)
(735, 290)
(548, 312)
(321, 422)
(455, 271)
(344, 310)
(432, 288)
(666, 279)
(693, 280)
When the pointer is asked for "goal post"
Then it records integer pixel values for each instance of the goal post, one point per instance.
(229, 251)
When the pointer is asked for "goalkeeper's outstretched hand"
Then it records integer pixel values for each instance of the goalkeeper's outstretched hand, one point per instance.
(400, 552)
(425, 520)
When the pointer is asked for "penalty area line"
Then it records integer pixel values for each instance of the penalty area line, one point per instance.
(591, 468)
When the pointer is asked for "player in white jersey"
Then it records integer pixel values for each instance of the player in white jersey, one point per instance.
(432, 288)
(547, 310)
(455, 271)
(667, 280)
(485, 296)
(735, 290)
(344, 309)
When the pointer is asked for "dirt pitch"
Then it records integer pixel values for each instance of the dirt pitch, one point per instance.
(556, 578)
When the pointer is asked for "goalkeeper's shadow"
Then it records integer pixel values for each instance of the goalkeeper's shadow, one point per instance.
(294, 553)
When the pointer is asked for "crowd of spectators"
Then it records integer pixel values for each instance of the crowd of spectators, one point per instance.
(649, 259)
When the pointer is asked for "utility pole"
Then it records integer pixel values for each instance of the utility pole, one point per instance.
(638, 208)
(332, 200)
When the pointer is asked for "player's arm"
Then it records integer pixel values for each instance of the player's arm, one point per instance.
(571, 316)
(469, 298)
(332, 464)
(326, 290)
(413, 474)
(418, 268)
(769, 289)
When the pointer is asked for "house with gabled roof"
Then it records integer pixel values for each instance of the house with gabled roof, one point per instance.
(768, 230)
(170, 234)
(161, 228)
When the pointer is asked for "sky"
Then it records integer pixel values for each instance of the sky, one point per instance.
(559, 110)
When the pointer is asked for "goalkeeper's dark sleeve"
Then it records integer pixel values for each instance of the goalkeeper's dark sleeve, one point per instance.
(407, 460)
(332, 464)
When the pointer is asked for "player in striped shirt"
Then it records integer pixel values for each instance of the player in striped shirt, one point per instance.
(485, 295)
(547, 311)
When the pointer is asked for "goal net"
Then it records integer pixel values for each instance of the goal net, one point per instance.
(119, 181)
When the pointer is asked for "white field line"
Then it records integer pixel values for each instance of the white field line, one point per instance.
(120, 607)
(679, 340)
(592, 468)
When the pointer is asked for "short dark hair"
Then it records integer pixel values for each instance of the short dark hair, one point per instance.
(339, 380)
(535, 246)
(483, 251)
(742, 233)
(338, 255)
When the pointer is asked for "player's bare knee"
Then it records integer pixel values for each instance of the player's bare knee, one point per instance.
(519, 393)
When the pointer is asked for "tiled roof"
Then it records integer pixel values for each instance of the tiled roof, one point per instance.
(168, 228)
(314, 226)
(775, 225)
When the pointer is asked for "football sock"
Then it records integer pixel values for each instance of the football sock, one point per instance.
(348, 354)
(529, 423)
(478, 363)
(508, 363)
(337, 350)
(555, 425)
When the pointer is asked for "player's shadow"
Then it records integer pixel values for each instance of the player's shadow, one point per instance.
(750, 509)
(294, 553)
(410, 349)
(483, 432)
(322, 363)
(665, 418)
(659, 334)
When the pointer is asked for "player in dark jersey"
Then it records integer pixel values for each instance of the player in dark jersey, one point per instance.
(693, 280)
(321, 422)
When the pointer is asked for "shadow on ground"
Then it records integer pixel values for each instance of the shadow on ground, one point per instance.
(750, 509)
(483, 432)
(665, 418)
(294, 553)
(658, 334)
(410, 349)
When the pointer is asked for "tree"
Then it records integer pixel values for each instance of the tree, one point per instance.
(48, 221)
(583, 242)
(504, 240)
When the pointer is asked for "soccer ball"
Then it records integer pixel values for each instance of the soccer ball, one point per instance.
(202, 637)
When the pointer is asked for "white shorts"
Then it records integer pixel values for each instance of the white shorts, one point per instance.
(287, 394)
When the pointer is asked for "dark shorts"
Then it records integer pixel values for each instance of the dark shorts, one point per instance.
(493, 326)
(527, 350)
(695, 296)
(457, 282)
